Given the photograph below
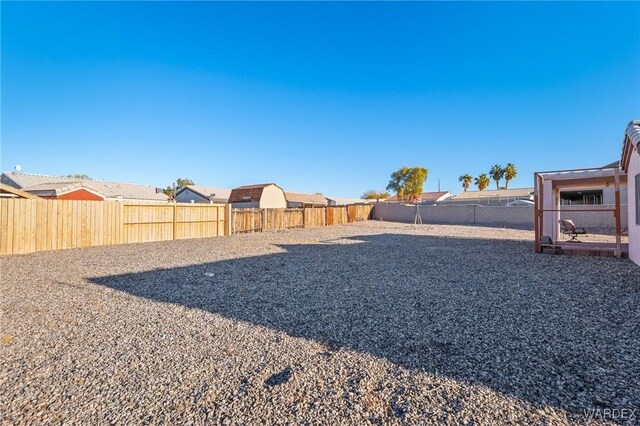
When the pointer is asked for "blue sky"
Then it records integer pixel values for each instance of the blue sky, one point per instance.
(317, 97)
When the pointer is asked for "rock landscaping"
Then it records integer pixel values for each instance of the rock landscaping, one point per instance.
(368, 323)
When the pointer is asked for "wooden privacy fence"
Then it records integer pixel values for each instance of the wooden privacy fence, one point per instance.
(264, 220)
(27, 226)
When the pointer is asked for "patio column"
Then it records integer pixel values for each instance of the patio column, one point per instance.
(548, 202)
(618, 250)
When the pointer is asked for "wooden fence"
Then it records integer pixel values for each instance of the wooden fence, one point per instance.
(265, 220)
(27, 226)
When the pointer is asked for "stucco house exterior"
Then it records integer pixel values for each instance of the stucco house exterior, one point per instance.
(295, 199)
(202, 194)
(630, 164)
(261, 196)
(64, 188)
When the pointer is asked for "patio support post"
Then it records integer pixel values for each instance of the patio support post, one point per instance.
(536, 211)
(540, 193)
(618, 251)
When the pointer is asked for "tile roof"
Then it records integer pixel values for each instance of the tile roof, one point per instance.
(58, 188)
(10, 191)
(631, 142)
(126, 191)
(296, 197)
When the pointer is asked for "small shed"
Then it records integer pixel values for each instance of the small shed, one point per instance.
(630, 165)
(202, 194)
(295, 199)
(261, 196)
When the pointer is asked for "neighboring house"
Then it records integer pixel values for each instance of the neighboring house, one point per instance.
(630, 164)
(429, 198)
(7, 191)
(81, 189)
(345, 201)
(262, 196)
(520, 203)
(202, 194)
(491, 197)
(65, 191)
(295, 199)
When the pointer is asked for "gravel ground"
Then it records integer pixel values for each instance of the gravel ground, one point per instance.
(369, 323)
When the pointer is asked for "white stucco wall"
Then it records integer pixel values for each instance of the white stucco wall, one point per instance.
(273, 198)
(634, 228)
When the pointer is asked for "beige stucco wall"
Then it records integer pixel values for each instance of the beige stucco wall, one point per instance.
(634, 228)
(273, 198)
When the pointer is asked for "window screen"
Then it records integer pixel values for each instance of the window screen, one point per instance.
(580, 197)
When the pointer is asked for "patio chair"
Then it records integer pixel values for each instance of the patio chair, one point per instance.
(569, 228)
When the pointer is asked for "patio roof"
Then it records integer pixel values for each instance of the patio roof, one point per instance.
(583, 177)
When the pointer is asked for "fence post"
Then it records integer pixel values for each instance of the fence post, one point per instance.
(228, 226)
(175, 205)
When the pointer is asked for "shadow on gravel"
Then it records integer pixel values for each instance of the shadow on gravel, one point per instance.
(552, 330)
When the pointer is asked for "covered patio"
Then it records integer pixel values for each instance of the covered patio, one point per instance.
(549, 210)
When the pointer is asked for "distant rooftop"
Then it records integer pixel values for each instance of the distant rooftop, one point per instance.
(494, 193)
(208, 191)
(297, 197)
(36, 182)
(425, 197)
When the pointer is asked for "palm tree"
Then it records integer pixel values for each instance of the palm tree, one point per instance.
(509, 173)
(482, 181)
(466, 180)
(497, 173)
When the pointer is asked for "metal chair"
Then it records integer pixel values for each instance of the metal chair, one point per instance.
(569, 228)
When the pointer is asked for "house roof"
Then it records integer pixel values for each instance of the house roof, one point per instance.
(248, 193)
(494, 193)
(131, 191)
(207, 191)
(343, 201)
(296, 197)
(53, 189)
(15, 192)
(631, 141)
(425, 196)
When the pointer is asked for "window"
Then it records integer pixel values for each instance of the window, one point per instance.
(569, 198)
(638, 199)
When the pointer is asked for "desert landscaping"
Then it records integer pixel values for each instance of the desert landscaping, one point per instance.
(371, 322)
